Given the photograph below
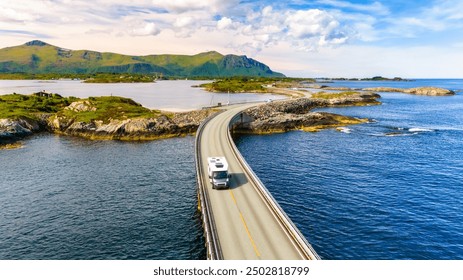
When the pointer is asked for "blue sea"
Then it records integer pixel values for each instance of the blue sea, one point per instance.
(388, 189)
(68, 198)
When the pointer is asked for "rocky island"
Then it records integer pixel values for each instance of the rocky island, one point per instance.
(291, 87)
(295, 114)
(430, 91)
(118, 118)
(158, 125)
(111, 118)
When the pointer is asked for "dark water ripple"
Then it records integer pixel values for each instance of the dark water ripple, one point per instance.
(65, 198)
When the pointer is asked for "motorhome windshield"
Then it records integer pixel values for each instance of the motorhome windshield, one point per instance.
(220, 175)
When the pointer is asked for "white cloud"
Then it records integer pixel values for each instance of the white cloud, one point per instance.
(99, 31)
(436, 16)
(15, 15)
(224, 23)
(244, 27)
(305, 29)
(310, 23)
(308, 29)
(181, 6)
(451, 10)
(183, 22)
(146, 29)
(375, 7)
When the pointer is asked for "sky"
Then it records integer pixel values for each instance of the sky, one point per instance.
(318, 38)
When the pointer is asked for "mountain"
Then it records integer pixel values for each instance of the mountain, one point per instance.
(39, 57)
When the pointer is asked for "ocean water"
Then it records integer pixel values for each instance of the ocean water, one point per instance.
(68, 198)
(389, 189)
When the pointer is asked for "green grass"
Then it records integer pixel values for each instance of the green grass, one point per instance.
(235, 85)
(14, 106)
(326, 95)
(244, 84)
(109, 108)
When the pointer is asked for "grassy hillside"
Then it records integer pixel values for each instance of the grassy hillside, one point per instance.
(37, 57)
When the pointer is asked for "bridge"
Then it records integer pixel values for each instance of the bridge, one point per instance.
(244, 221)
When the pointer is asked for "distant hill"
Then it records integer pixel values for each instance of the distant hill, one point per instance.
(39, 57)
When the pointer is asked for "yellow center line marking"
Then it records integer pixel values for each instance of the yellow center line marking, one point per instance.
(245, 225)
(249, 235)
(232, 196)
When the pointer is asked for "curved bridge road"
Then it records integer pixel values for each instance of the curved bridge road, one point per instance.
(247, 225)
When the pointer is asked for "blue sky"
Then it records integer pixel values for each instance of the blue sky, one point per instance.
(319, 38)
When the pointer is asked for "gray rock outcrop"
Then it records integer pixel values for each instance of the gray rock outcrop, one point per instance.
(281, 116)
(13, 129)
(81, 106)
(172, 124)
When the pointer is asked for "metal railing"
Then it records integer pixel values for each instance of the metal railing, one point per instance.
(214, 251)
(300, 241)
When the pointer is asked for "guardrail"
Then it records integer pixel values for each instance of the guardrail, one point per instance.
(302, 244)
(214, 251)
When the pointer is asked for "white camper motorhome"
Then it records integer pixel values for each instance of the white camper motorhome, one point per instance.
(217, 168)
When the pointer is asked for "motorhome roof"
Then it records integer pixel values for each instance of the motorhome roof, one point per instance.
(217, 163)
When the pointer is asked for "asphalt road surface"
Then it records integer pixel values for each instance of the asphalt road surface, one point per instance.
(247, 227)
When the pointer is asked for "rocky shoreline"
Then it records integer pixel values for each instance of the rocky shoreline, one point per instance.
(277, 116)
(295, 114)
(430, 91)
(164, 126)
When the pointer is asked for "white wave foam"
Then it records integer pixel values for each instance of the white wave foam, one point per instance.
(344, 130)
(417, 129)
(397, 134)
